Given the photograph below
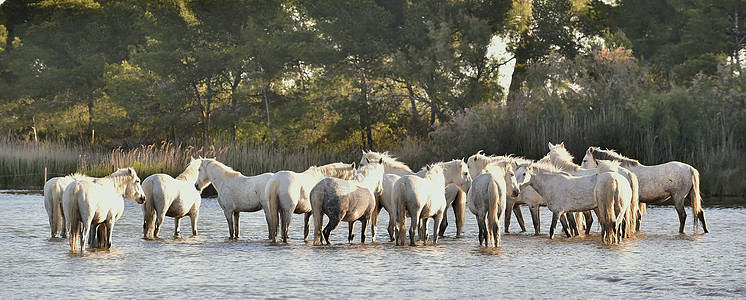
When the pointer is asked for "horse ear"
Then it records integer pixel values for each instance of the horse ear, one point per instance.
(551, 146)
(367, 160)
(130, 171)
(353, 164)
(562, 145)
(380, 160)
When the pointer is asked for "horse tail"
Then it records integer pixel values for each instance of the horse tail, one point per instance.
(72, 215)
(695, 198)
(316, 197)
(605, 200)
(493, 200)
(148, 209)
(273, 199)
(635, 209)
(398, 196)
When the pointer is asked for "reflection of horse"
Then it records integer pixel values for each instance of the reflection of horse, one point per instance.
(346, 200)
(99, 203)
(393, 170)
(287, 192)
(486, 199)
(53, 190)
(236, 193)
(424, 197)
(176, 198)
(658, 183)
(563, 160)
(562, 191)
(613, 196)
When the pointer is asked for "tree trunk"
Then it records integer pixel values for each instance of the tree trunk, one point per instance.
(365, 121)
(266, 106)
(519, 74)
(90, 120)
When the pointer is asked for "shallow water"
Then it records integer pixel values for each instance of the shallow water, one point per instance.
(658, 263)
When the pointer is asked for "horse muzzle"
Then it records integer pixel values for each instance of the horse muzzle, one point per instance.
(515, 193)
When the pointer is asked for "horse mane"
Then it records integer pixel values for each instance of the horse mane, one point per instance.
(608, 166)
(549, 168)
(191, 171)
(391, 161)
(563, 160)
(229, 172)
(496, 167)
(608, 154)
(79, 176)
(338, 169)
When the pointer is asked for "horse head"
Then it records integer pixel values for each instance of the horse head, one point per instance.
(511, 181)
(203, 179)
(589, 162)
(133, 189)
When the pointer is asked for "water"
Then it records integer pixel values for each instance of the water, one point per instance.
(658, 263)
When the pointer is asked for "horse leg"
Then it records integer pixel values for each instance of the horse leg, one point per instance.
(535, 217)
(572, 225)
(437, 219)
(84, 235)
(364, 222)
(700, 215)
(350, 234)
(415, 225)
(518, 216)
(509, 204)
(159, 217)
(193, 216)
(374, 221)
(108, 230)
(565, 225)
(306, 226)
(229, 219)
(679, 204)
(588, 221)
(555, 217)
(482, 229)
(333, 222)
(391, 228)
(443, 225)
(459, 211)
(177, 229)
(236, 224)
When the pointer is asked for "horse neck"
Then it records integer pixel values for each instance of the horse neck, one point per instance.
(218, 173)
(190, 174)
(117, 183)
(397, 170)
(449, 172)
(566, 166)
(543, 181)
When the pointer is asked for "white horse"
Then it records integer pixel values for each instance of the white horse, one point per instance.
(173, 197)
(393, 170)
(346, 200)
(53, 190)
(99, 203)
(424, 197)
(287, 192)
(613, 195)
(528, 195)
(236, 193)
(562, 159)
(658, 183)
(486, 199)
(562, 191)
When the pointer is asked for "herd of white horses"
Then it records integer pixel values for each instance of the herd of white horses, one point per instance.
(615, 187)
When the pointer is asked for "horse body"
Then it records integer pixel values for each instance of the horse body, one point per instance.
(528, 195)
(236, 193)
(562, 191)
(288, 194)
(563, 160)
(53, 190)
(424, 197)
(393, 170)
(613, 194)
(346, 200)
(99, 204)
(487, 200)
(172, 197)
(658, 183)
